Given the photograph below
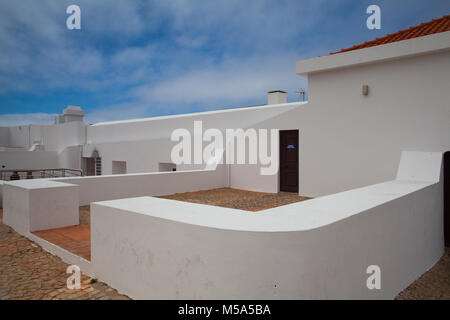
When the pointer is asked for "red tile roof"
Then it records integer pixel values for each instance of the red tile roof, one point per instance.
(423, 29)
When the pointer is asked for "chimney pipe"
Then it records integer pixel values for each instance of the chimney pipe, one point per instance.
(276, 97)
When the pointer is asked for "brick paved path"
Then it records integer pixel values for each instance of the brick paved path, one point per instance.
(76, 239)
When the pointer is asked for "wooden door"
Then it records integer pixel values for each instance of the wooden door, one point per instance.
(289, 160)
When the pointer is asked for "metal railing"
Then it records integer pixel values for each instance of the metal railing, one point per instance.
(23, 174)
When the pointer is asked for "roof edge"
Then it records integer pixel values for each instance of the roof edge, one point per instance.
(201, 113)
(433, 43)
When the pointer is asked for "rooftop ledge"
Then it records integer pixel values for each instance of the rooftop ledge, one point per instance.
(305, 215)
(434, 43)
(273, 107)
(417, 170)
(38, 183)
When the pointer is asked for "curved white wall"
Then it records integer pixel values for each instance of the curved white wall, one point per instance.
(151, 248)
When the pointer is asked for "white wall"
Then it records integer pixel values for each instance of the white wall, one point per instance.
(61, 143)
(141, 156)
(40, 205)
(316, 249)
(70, 158)
(100, 188)
(4, 137)
(144, 143)
(347, 140)
(19, 137)
(28, 159)
(249, 177)
(59, 136)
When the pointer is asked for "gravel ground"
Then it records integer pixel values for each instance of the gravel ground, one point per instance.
(85, 215)
(433, 284)
(238, 199)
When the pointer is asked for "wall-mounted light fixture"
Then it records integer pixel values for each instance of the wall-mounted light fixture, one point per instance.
(365, 90)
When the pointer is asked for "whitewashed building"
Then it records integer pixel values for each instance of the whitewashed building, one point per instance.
(368, 144)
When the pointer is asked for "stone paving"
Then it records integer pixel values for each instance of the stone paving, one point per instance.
(29, 272)
(433, 284)
(238, 199)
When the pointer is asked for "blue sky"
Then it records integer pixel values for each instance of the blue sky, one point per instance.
(136, 58)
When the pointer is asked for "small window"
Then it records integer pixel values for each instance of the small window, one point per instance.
(167, 167)
(119, 167)
(98, 166)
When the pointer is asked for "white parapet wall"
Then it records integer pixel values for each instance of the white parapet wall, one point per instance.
(150, 248)
(33, 205)
(98, 188)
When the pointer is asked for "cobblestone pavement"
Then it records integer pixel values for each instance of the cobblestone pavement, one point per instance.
(433, 284)
(29, 272)
(238, 199)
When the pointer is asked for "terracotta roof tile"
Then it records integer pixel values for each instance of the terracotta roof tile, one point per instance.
(423, 29)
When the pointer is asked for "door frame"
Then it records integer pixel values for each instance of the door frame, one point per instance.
(298, 159)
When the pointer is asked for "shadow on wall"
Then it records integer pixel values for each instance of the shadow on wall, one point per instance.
(447, 197)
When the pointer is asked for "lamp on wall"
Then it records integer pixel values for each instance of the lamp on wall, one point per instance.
(365, 90)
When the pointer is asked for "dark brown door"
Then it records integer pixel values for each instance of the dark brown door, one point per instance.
(289, 160)
(89, 166)
(447, 198)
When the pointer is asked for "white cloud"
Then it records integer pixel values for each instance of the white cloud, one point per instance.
(132, 56)
(121, 111)
(230, 81)
(160, 56)
(39, 53)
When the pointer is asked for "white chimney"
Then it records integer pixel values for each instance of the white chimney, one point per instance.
(71, 113)
(276, 97)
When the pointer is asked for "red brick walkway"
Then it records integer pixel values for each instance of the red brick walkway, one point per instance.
(76, 239)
